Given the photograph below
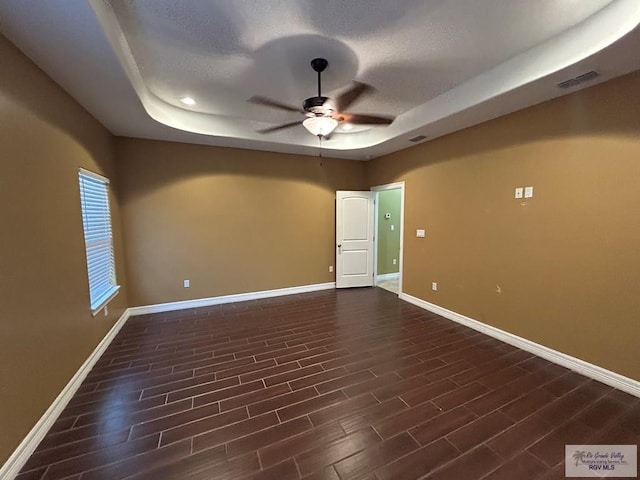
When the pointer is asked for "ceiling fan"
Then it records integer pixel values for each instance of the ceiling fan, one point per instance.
(324, 114)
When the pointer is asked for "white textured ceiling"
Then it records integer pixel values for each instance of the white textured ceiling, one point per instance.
(437, 65)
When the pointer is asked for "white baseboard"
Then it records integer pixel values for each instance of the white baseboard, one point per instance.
(239, 297)
(600, 374)
(19, 457)
(387, 276)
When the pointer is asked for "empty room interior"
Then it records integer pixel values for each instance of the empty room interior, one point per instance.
(337, 240)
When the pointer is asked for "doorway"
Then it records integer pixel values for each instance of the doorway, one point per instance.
(369, 237)
(389, 236)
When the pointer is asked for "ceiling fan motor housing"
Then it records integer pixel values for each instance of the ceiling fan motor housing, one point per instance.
(318, 106)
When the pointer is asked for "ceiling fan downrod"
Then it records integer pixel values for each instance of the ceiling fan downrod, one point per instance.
(319, 65)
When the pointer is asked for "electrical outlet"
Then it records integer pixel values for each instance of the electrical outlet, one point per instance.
(434, 286)
(395, 260)
(186, 284)
(330, 268)
(519, 192)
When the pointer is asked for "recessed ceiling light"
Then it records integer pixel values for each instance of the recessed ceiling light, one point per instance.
(346, 127)
(188, 101)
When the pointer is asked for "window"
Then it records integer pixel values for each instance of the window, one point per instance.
(98, 239)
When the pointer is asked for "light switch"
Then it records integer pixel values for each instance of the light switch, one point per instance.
(393, 228)
(528, 192)
(420, 233)
(519, 192)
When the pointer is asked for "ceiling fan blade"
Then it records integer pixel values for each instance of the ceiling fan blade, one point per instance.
(358, 119)
(279, 127)
(272, 103)
(356, 91)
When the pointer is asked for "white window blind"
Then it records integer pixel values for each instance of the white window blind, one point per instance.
(98, 238)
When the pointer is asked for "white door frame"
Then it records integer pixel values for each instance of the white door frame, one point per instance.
(377, 189)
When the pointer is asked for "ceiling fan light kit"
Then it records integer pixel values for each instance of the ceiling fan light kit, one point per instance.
(320, 126)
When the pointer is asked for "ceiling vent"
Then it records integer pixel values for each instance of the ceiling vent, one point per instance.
(419, 138)
(575, 81)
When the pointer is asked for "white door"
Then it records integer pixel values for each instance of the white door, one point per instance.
(354, 239)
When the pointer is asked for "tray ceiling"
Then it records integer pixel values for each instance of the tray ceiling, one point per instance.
(437, 65)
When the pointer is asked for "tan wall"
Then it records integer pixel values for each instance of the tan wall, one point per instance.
(229, 220)
(567, 262)
(388, 241)
(46, 328)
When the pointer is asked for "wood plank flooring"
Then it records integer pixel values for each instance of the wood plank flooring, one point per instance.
(328, 385)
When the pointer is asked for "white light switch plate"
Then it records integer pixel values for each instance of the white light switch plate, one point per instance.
(528, 192)
(519, 192)
(420, 233)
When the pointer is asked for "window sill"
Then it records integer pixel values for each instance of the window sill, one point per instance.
(103, 303)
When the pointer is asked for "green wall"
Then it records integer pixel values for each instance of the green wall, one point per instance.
(389, 240)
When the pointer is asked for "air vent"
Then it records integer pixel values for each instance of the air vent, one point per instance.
(585, 77)
(569, 83)
(419, 138)
(575, 81)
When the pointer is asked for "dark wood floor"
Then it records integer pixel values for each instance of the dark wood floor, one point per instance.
(327, 385)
